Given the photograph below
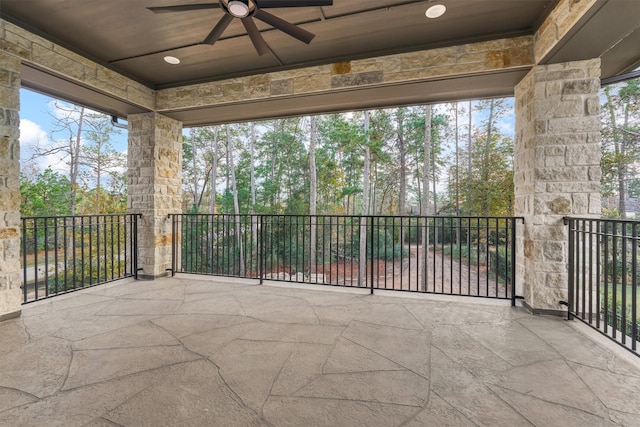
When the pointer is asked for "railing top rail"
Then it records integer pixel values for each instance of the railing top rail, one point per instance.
(139, 215)
(520, 218)
(600, 219)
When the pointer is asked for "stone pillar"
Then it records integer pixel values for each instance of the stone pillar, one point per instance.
(10, 295)
(557, 173)
(154, 187)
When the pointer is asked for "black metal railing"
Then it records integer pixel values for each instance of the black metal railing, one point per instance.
(604, 277)
(472, 256)
(66, 253)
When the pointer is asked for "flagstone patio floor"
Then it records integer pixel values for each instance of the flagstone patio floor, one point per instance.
(203, 351)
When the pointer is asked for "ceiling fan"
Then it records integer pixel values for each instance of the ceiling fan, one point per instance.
(245, 10)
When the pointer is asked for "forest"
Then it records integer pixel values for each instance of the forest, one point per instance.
(443, 159)
(407, 160)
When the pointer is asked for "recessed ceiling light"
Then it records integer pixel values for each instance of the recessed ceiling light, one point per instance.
(436, 11)
(171, 60)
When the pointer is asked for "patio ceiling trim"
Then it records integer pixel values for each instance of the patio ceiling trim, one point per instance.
(450, 88)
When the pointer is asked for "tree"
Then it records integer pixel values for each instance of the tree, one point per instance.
(45, 195)
(99, 158)
(236, 205)
(365, 201)
(620, 137)
(313, 191)
(68, 122)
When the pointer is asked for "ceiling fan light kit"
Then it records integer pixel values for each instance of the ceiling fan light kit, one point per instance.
(238, 8)
(246, 10)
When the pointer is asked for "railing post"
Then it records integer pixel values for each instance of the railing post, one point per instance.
(570, 223)
(513, 261)
(174, 244)
(24, 259)
(371, 235)
(634, 287)
(135, 245)
(261, 253)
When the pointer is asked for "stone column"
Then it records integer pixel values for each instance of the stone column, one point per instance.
(154, 186)
(557, 172)
(10, 294)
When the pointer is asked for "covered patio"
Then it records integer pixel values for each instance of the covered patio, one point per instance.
(194, 350)
(201, 351)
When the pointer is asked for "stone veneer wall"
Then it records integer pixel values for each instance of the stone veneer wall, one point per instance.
(560, 21)
(10, 295)
(557, 171)
(33, 49)
(154, 186)
(489, 56)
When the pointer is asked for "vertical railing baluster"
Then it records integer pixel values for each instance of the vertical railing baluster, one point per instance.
(614, 281)
(634, 286)
(623, 289)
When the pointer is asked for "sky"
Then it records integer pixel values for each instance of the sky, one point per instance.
(37, 118)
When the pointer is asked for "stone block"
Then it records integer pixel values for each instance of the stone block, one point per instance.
(351, 80)
(562, 139)
(595, 203)
(10, 98)
(553, 251)
(574, 124)
(428, 58)
(580, 203)
(557, 150)
(282, 87)
(584, 155)
(552, 89)
(594, 173)
(592, 106)
(549, 298)
(554, 108)
(9, 62)
(309, 84)
(561, 174)
(554, 161)
(581, 87)
(58, 62)
(556, 232)
(573, 187)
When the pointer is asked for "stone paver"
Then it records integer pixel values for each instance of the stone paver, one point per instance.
(201, 351)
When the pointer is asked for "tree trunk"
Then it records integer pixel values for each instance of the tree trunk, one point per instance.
(402, 151)
(194, 164)
(469, 148)
(254, 219)
(487, 148)
(620, 163)
(236, 206)
(362, 266)
(424, 207)
(470, 155)
(457, 176)
(214, 171)
(313, 194)
(75, 162)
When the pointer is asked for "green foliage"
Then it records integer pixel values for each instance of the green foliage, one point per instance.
(620, 140)
(47, 194)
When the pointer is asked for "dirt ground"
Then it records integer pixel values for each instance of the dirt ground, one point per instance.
(443, 275)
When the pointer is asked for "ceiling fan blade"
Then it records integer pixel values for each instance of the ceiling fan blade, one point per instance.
(289, 28)
(184, 7)
(217, 31)
(255, 36)
(292, 3)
